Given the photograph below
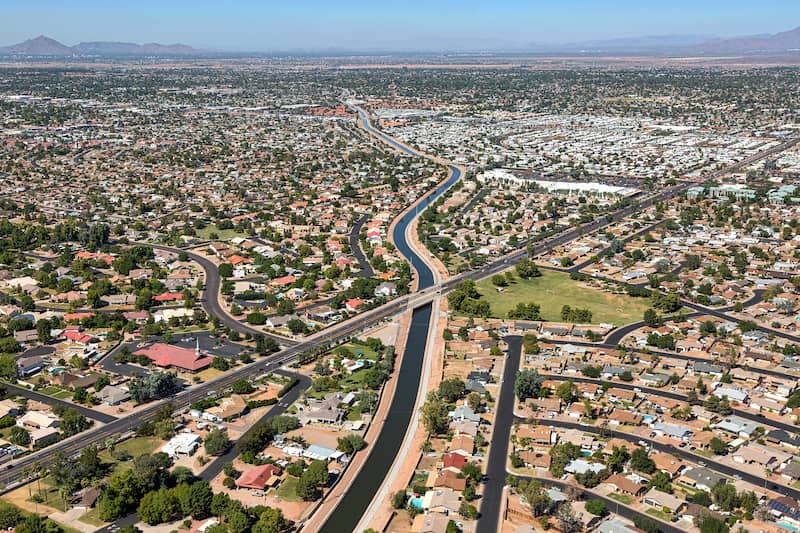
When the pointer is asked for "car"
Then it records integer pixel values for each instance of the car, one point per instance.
(702, 463)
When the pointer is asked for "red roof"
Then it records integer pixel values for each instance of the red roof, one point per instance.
(257, 477)
(77, 316)
(168, 297)
(77, 336)
(353, 303)
(166, 355)
(285, 280)
(455, 460)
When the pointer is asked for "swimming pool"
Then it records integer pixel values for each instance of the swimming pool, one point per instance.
(416, 502)
(786, 525)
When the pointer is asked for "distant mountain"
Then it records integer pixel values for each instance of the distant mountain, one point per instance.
(780, 42)
(107, 48)
(38, 46)
(634, 45)
(45, 46)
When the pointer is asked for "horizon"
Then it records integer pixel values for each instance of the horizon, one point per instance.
(360, 26)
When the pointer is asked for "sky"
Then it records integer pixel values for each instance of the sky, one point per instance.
(410, 25)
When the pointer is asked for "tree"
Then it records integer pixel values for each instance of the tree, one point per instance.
(527, 384)
(350, 444)
(225, 270)
(596, 507)
(725, 496)
(566, 392)
(312, 480)
(470, 512)
(434, 415)
(535, 495)
(661, 481)
(271, 520)
(718, 446)
(472, 472)
(642, 462)
(651, 318)
(158, 506)
(217, 442)
(711, 524)
(568, 521)
(19, 436)
(451, 390)
(242, 386)
(200, 497)
(615, 462)
(527, 269)
(399, 499)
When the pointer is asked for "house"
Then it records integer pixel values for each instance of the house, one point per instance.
(280, 321)
(85, 498)
(623, 416)
(732, 393)
(762, 456)
(182, 444)
(316, 452)
(8, 407)
(783, 438)
(113, 395)
(463, 443)
(582, 466)
(701, 478)
(260, 477)
(165, 355)
(353, 304)
(327, 410)
(791, 471)
(450, 479)
(464, 413)
(28, 366)
(667, 463)
(737, 426)
(533, 459)
(385, 289)
(661, 500)
(229, 408)
(45, 435)
(454, 460)
(38, 420)
(626, 486)
(443, 501)
(616, 525)
(675, 431)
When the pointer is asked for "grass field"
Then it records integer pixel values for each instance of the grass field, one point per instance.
(135, 447)
(621, 498)
(205, 233)
(287, 490)
(553, 290)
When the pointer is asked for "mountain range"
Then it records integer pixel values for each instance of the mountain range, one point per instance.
(677, 45)
(45, 46)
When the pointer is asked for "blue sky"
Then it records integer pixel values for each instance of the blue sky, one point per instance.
(269, 25)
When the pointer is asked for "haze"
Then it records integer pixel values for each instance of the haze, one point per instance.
(406, 26)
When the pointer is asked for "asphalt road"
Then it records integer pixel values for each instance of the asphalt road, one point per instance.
(682, 453)
(611, 505)
(492, 496)
(355, 248)
(217, 464)
(674, 396)
(49, 400)
(210, 300)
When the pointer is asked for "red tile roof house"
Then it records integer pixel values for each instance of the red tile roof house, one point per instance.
(168, 297)
(259, 477)
(454, 460)
(165, 355)
(78, 337)
(352, 304)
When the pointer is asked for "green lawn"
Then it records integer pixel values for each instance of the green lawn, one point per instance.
(135, 447)
(355, 381)
(553, 290)
(366, 352)
(621, 498)
(287, 490)
(660, 514)
(57, 392)
(205, 233)
(92, 517)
